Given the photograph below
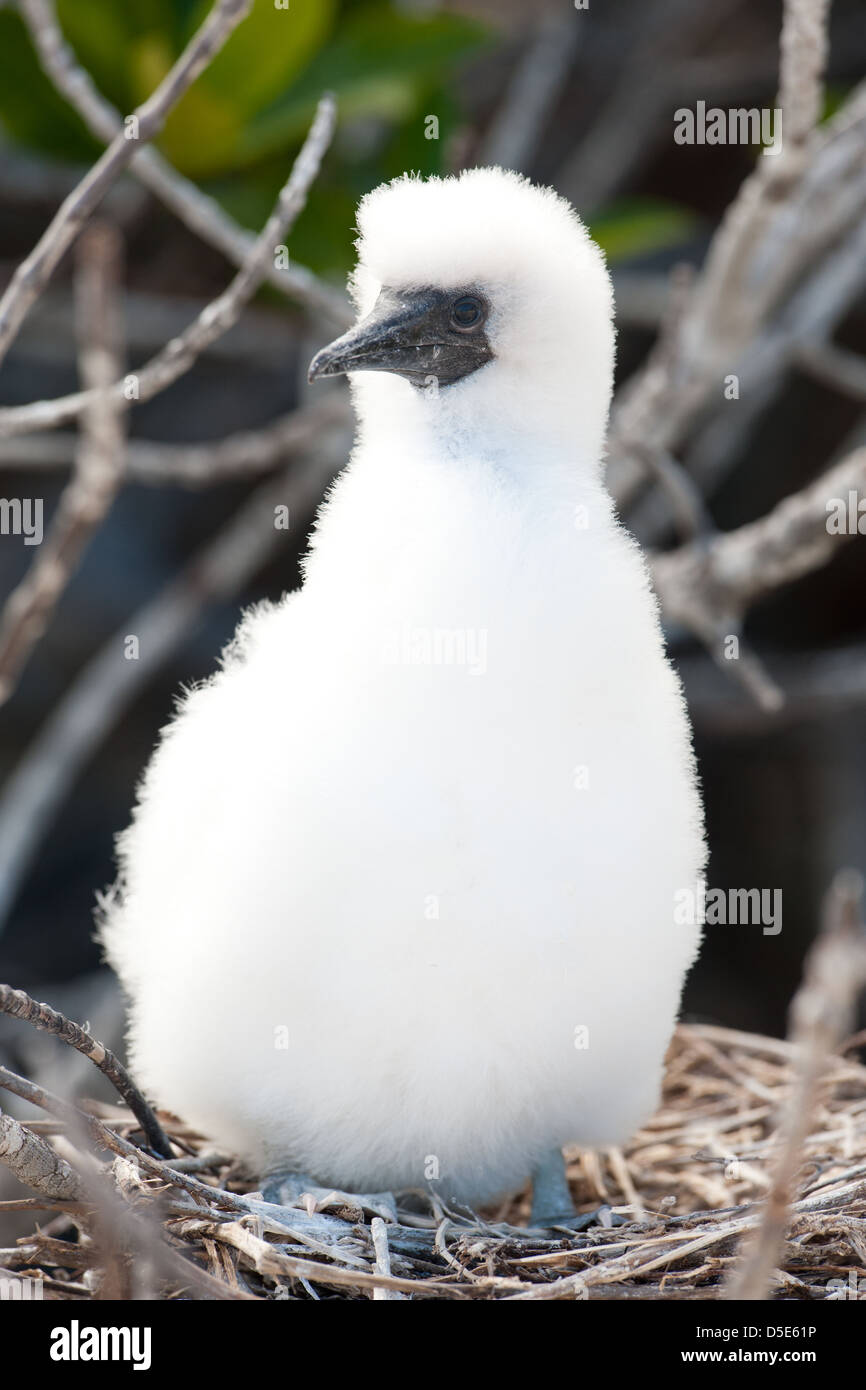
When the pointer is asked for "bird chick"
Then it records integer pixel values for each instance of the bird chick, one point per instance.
(396, 907)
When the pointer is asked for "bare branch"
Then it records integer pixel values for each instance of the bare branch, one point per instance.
(27, 178)
(379, 1234)
(39, 1203)
(619, 137)
(19, 1005)
(822, 1015)
(179, 355)
(835, 367)
(35, 1163)
(723, 1086)
(738, 567)
(261, 336)
(817, 685)
(809, 317)
(116, 1226)
(803, 59)
(202, 214)
(708, 585)
(723, 297)
(306, 1228)
(245, 454)
(532, 93)
(791, 211)
(681, 495)
(99, 465)
(146, 122)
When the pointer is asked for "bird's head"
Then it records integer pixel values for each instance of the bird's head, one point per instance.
(485, 296)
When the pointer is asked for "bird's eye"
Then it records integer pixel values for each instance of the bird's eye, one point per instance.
(467, 312)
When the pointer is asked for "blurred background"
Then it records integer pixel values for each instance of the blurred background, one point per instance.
(583, 99)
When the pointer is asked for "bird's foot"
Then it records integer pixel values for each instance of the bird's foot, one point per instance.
(301, 1191)
(572, 1222)
(552, 1206)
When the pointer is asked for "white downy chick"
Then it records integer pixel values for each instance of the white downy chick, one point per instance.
(397, 904)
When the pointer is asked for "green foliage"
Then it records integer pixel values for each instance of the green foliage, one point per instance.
(633, 227)
(835, 96)
(239, 126)
(379, 62)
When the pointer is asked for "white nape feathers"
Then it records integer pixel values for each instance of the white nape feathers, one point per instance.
(396, 907)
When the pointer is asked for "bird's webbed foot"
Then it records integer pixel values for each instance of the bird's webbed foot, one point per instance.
(572, 1222)
(299, 1190)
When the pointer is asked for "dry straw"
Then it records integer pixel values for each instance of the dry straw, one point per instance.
(750, 1182)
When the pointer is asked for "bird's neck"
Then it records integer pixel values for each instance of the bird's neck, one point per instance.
(428, 493)
(547, 434)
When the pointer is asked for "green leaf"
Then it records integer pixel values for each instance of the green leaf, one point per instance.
(105, 36)
(835, 96)
(204, 132)
(267, 51)
(638, 226)
(31, 112)
(375, 62)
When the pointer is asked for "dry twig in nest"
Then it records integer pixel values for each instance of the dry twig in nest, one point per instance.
(691, 1184)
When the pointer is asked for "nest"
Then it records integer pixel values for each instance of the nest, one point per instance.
(688, 1188)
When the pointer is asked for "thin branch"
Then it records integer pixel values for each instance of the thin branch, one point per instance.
(681, 494)
(790, 212)
(244, 454)
(721, 1091)
(810, 317)
(20, 1005)
(40, 1203)
(99, 1133)
(146, 122)
(822, 1015)
(262, 336)
(36, 1164)
(532, 93)
(738, 567)
(626, 123)
(723, 299)
(321, 1231)
(379, 1234)
(27, 178)
(803, 59)
(99, 465)
(217, 317)
(836, 367)
(817, 685)
(202, 214)
(708, 585)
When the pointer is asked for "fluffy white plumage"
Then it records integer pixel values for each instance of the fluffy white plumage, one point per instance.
(431, 815)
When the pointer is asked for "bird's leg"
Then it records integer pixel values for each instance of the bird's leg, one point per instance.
(551, 1196)
(551, 1199)
(291, 1189)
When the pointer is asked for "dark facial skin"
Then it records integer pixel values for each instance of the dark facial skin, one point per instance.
(416, 334)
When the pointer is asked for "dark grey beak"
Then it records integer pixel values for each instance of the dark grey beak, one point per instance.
(413, 334)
